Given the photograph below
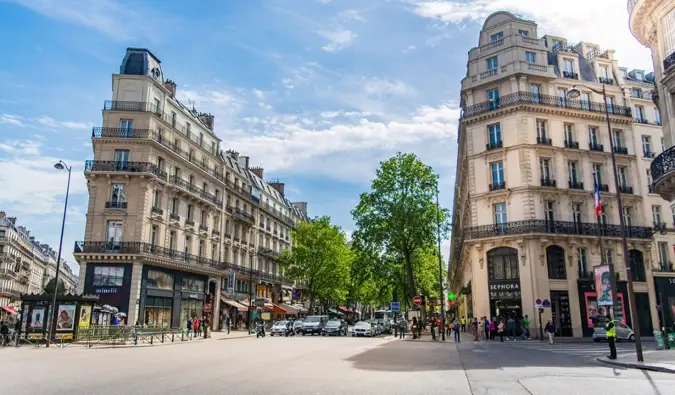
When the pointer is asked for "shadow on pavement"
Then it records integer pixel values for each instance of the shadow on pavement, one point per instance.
(404, 356)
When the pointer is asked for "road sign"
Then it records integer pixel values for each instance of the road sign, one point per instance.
(546, 303)
(395, 306)
(207, 307)
(538, 304)
(417, 300)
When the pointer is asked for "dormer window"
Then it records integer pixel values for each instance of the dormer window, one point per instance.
(639, 75)
(523, 33)
(497, 36)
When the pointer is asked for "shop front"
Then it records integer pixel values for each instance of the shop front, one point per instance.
(111, 282)
(169, 297)
(591, 312)
(665, 297)
(504, 283)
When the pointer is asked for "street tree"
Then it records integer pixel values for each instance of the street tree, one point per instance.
(399, 216)
(321, 258)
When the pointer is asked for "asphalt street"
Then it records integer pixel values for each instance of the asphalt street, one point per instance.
(321, 366)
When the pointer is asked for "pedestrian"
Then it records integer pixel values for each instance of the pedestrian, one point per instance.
(474, 329)
(228, 324)
(486, 327)
(463, 322)
(420, 327)
(413, 327)
(457, 327)
(493, 328)
(401, 328)
(511, 328)
(196, 326)
(500, 330)
(550, 329)
(526, 327)
(189, 326)
(448, 329)
(4, 334)
(610, 327)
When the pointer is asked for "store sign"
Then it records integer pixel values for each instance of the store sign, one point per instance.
(193, 296)
(105, 291)
(504, 290)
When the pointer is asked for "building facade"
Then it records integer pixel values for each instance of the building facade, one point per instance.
(652, 23)
(529, 157)
(26, 265)
(172, 219)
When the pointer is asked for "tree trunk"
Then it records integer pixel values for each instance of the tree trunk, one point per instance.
(411, 278)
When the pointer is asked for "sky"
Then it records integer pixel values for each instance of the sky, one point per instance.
(317, 92)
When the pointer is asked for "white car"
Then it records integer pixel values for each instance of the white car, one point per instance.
(279, 328)
(363, 328)
(623, 332)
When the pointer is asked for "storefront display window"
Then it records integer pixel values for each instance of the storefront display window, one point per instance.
(191, 284)
(158, 312)
(190, 308)
(108, 276)
(160, 280)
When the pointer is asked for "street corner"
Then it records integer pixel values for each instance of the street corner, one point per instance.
(649, 366)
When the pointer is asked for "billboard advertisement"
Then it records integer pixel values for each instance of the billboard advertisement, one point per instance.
(603, 285)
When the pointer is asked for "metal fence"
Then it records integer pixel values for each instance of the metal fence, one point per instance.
(129, 335)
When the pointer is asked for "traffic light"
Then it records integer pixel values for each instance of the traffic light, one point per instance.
(452, 296)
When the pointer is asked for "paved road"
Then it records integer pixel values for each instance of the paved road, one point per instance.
(318, 366)
(588, 349)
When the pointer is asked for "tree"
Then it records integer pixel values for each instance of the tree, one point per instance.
(321, 258)
(398, 216)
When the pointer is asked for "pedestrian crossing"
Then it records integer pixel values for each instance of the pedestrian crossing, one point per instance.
(582, 349)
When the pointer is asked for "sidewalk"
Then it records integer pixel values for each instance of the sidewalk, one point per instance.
(658, 361)
(233, 335)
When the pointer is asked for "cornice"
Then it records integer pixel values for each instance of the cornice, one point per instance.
(558, 111)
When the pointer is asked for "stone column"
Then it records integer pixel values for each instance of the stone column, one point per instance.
(215, 321)
(135, 293)
(83, 276)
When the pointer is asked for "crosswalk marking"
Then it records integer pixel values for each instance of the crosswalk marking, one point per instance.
(584, 350)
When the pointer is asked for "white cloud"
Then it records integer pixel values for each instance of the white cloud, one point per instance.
(384, 87)
(258, 93)
(338, 39)
(351, 15)
(264, 106)
(11, 120)
(52, 123)
(602, 22)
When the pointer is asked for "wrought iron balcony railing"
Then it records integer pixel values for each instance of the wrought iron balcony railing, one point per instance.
(125, 167)
(620, 150)
(120, 133)
(648, 154)
(641, 120)
(596, 147)
(603, 187)
(104, 247)
(495, 145)
(495, 186)
(571, 144)
(522, 97)
(244, 215)
(668, 63)
(571, 75)
(156, 210)
(555, 227)
(175, 180)
(625, 189)
(663, 164)
(118, 205)
(548, 182)
(575, 184)
(606, 81)
(543, 140)
(189, 222)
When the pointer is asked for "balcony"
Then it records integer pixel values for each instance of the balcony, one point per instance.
(236, 238)
(547, 182)
(626, 189)
(228, 235)
(571, 144)
(243, 215)
(119, 133)
(189, 222)
(606, 81)
(9, 292)
(603, 187)
(229, 208)
(194, 189)
(204, 228)
(117, 205)
(596, 147)
(497, 186)
(267, 252)
(215, 234)
(571, 75)
(492, 146)
(102, 247)
(665, 267)
(522, 97)
(6, 272)
(174, 217)
(156, 210)
(663, 173)
(543, 140)
(575, 185)
(23, 278)
(591, 229)
(102, 166)
(668, 63)
(620, 150)
(641, 120)
(648, 154)
(134, 106)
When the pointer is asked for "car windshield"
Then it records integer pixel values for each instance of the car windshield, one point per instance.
(333, 323)
(313, 319)
(281, 323)
(362, 324)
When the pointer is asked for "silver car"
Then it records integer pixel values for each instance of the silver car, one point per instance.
(279, 328)
(363, 328)
(623, 332)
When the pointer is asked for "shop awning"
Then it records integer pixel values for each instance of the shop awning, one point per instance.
(275, 309)
(233, 303)
(8, 309)
(290, 310)
(345, 310)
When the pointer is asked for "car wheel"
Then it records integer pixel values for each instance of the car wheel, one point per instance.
(272, 334)
(632, 338)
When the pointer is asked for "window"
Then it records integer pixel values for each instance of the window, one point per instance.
(214, 250)
(668, 31)
(545, 168)
(647, 146)
(497, 170)
(493, 99)
(627, 216)
(188, 129)
(530, 57)
(190, 210)
(650, 181)
(126, 127)
(576, 213)
(203, 218)
(192, 284)
(610, 104)
(597, 174)
(117, 194)
(156, 198)
(541, 130)
(160, 163)
(582, 262)
(569, 132)
(657, 116)
(495, 135)
(555, 260)
(569, 65)
(603, 218)
(492, 63)
(121, 156)
(535, 91)
(523, 33)
(213, 148)
(173, 119)
(656, 215)
(639, 75)
(640, 114)
(156, 105)
(503, 264)
(604, 72)
(623, 178)
(500, 213)
(172, 240)
(188, 242)
(153, 235)
(573, 170)
(562, 96)
(201, 248)
(618, 138)
(663, 254)
(114, 233)
(175, 206)
(593, 136)
(108, 276)
(663, 144)
(497, 36)
(636, 92)
(160, 280)
(227, 227)
(609, 256)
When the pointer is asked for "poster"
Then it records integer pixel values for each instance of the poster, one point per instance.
(65, 318)
(603, 285)
(85, 316)
(37, 318)
(595, 313)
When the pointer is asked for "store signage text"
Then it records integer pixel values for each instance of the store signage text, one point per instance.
(105, 291)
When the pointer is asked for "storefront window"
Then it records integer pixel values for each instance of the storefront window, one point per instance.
(160, 280)
(108, 276)
(158, 312)
(191, 284)
(189, 309)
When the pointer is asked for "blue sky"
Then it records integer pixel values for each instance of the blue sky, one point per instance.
(317, 92)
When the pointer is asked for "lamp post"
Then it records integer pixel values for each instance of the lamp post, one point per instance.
(61, 165)
(440, 260)
(574, 93)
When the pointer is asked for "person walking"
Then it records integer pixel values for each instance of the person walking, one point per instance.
(486, 327)
(511, 328)
(463, 322)
(401, 328)
(500, 330)
(474, 329)
(413, 328)
(456, 328)
(610, 327)
(4, 334)
(228, 324)
(189, 327)
(550, 330)
(526, 327)
(493, 328)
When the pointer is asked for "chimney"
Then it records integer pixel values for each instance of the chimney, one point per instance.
(258, 171)
(234, 154)
(12, 220)
(279, 186)
(243, 161)
(207, 119)
(32, 238)
(171, 86)
(301, 206)
(3, 214)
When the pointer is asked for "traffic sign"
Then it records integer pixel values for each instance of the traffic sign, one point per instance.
(538, 304)
(417, 300)
(546, 303)
(395, 306)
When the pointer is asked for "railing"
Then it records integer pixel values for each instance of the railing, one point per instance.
(641, 120)
(575, 185)
(212, 171)
(495, 145)
(668, 62)
(175, 180)
(9, 291)
(497, 186)
(491, 45)
(620, 150)
(648, 154)
(174, 217)
(268, 252)
(547, 182)
(99, 335)
(189, 222)
(126, 167)
(120, 133)
(156, 210)
(244, 215)
(603, 187)
(215, 233)
(120, 205)
(663, 164)
(203, 228)
(625, 189)
(571, 144)
(596, 147)
(571, 75)
(278, 214)
(555, 227)
(126, 247)
(544, 140)
(606, 81)
(523, 97)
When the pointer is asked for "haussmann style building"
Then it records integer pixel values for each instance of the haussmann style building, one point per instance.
(525, 224)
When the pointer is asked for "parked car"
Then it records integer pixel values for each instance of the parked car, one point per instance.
(314, 324)
(378, 328)
(279, 328)
(335, 328)
(623, 332)
(363, 328)
(297, 326)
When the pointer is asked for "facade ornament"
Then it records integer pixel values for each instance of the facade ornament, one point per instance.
(523, 258)
(542, 258)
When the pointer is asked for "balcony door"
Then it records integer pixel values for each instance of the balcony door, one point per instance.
(114, 235)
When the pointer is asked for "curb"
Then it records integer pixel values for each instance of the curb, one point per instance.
(636, 365)
(234, 338)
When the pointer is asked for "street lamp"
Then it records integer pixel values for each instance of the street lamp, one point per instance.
(440, 259)
(574, 93)
(61, 165)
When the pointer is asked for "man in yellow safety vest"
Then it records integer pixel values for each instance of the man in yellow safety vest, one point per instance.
(610, 328)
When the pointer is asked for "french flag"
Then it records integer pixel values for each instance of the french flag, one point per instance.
(598, 203)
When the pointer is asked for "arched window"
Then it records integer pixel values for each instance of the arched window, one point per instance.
(555, 260)
(637, 265)
(503, 264)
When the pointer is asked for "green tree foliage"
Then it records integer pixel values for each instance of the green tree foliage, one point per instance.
(321, 258)
(397, 219)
